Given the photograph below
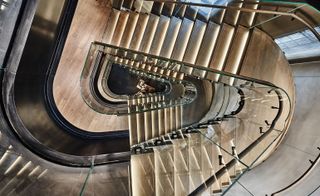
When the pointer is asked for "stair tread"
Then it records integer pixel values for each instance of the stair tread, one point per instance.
(132, 126)
(171, 37)
(111, 25)
(182, 39)
(129, 29)
(139, 31)
(159, 35)
(194, 42)
(237, 52)
(231, 16)
(149, 33)
(221, 49)
(147, 7)
(140, 124)
(127, 4)
(120, 27)
(246, 18)
(206, 49)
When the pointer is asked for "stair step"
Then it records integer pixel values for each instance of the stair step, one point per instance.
(117, 4)
(129, 30)
(208, 42)
(204, 13)
(180, 10)
(157, 8)
(221, 49)
(191, 12)
(159, 35)
(155, 119)
(127, 4)
(139, 31)
(133, 132)
(171, 37)
(137, 5)
(217, 15)
(148, 121)
(182, 39)
(140, 123)
(173, 117)
(194, 43)
(149, 33)
(161, 119)
(111, 25)
(231, 16)
(120, 27)
(237, 52)
(178, 118)
(247, 18)
(168, 9)
(147, 7)
(167, 120)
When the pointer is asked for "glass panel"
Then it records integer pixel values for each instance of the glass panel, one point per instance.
(180, 164)
(139, 64)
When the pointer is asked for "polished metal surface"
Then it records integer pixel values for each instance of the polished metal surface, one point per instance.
(28, 94)
(9, 11)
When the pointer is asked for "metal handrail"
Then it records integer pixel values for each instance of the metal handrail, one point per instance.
(270, 12)
(242, 154)
(298, 180)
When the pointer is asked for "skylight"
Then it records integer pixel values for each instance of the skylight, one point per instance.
(300, 45)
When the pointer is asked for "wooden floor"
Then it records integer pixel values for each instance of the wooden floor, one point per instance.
(88, 25)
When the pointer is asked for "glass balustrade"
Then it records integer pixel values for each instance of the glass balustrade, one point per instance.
(234, 139)
(180, 92)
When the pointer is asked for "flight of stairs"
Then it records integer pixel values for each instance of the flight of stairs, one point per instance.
(159, 119)
(180, 165)
(207, 37)
(167, 160)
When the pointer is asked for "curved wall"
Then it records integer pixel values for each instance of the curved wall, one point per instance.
(291, 159)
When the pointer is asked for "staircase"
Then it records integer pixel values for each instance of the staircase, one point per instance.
(207, 37)
(182, 166)
(180, 43)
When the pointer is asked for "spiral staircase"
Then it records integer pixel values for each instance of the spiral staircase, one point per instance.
(216, 100)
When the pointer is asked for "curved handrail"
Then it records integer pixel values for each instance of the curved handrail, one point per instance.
(293, 15)
(298, 180)
(118, 51)
(254, 80)
(242, 154)
(91, 95)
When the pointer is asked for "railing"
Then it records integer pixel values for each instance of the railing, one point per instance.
(145, 62)
(113, 56)
(242, 140)
(300, 179)
(270, 130)
(290, 12)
